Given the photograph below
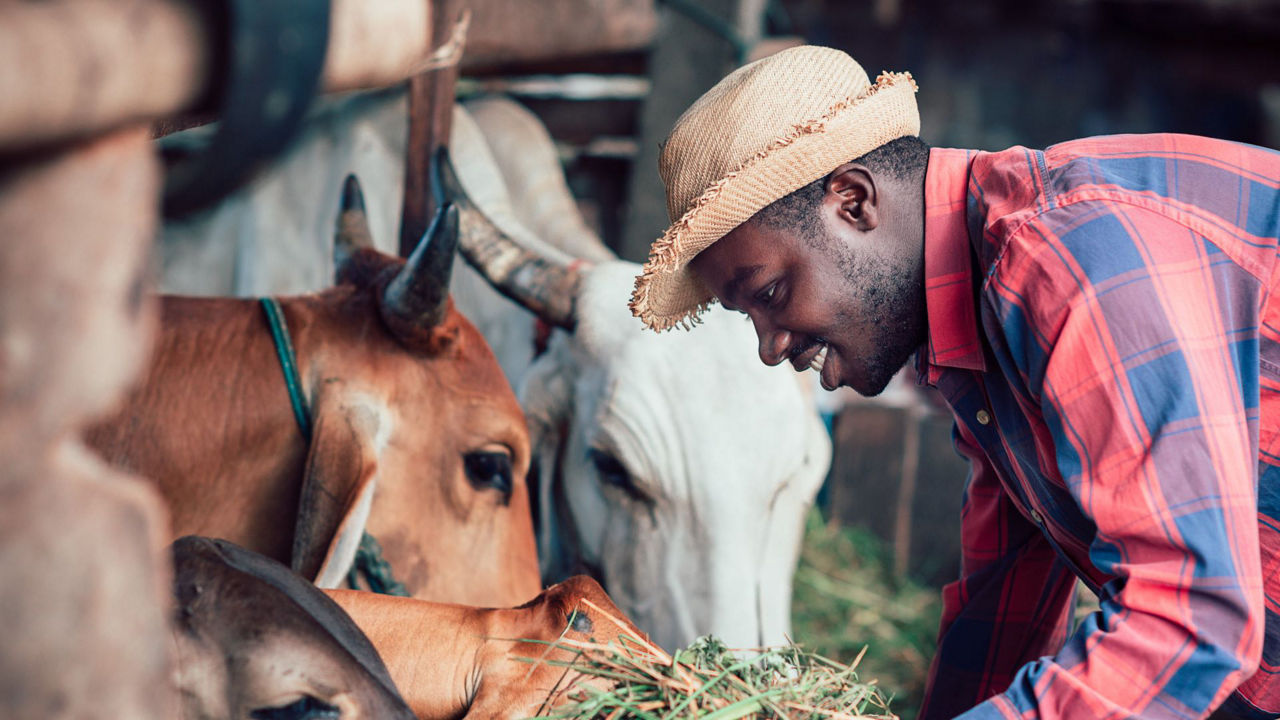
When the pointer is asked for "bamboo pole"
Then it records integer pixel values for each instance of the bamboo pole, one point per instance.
(431, 99)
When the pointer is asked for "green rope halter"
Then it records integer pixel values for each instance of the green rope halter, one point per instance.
(369, 561)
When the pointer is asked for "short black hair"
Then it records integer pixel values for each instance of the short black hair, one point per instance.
(902, 159)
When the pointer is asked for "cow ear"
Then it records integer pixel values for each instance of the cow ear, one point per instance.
(337, 494)
(546, 395)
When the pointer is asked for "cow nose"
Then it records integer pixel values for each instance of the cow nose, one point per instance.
(774, 342)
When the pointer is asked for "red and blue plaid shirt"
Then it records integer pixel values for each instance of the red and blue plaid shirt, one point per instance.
(1103, 322)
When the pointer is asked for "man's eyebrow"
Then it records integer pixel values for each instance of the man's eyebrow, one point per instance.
(740, 276)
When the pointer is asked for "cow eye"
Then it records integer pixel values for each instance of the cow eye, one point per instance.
(488, 470)
(612, 472)
(305, 708)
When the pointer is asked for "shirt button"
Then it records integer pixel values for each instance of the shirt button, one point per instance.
(1037, 517)
(984, 417)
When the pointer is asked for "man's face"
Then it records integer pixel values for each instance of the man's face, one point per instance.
(847, 297)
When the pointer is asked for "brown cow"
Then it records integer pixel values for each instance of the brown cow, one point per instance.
(255, 640)
(486, 671)
(417, 438)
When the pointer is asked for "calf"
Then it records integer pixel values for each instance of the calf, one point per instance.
(451, 660)
(255, 640)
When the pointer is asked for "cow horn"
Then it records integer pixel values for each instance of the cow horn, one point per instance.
(542, 286)
(351, 232)
(419, 293)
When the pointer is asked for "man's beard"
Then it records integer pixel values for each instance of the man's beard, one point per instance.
(891, 310)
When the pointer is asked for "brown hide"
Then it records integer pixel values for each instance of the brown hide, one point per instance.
(212, 425)
(253, 636)
(451, 661)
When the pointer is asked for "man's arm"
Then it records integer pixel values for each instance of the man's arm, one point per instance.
(1135, 336)
(1011, 605)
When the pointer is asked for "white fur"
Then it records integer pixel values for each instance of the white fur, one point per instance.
(731, 452)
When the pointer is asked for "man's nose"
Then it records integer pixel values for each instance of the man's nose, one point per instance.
(774, 342)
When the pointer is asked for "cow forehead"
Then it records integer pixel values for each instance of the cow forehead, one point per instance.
(702, 396)
(480, 393)
(461, 388)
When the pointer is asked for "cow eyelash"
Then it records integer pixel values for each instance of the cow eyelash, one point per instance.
(613, 472)
(305, 708)
(490, 470)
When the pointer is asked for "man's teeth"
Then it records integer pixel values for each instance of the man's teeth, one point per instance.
(819, 360)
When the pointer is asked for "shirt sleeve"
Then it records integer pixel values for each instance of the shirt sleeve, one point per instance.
(1137, 338)
(1012, 603)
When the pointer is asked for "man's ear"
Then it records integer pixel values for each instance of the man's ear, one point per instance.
(854, 188)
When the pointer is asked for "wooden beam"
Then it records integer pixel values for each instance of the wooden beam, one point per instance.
(74, 68)
(506, 33)
(622, 62)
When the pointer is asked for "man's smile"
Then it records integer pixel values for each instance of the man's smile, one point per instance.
(804, 354)
(816, 354)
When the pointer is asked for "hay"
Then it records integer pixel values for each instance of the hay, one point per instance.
(846, 598)
(631, 679)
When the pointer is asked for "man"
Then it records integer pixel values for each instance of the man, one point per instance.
(1100, 318)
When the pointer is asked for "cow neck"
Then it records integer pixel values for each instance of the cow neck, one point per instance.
(369, 561)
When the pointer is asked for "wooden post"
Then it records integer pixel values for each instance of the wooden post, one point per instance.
(906, 493)
(688, 58)
(1269, 97)
(431, 98)
(85, 584)
(895, 473)
(506, 35)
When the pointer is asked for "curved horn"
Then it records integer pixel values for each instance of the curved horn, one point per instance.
(351, 232)
(544, 287)
(418, 295)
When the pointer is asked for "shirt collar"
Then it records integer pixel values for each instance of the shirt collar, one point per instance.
(948, 267)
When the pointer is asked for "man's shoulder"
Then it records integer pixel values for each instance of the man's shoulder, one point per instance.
(1153, 146)
(1184, 169)
(1101, 195)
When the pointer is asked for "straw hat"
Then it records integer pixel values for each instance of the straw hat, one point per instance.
(763, 132)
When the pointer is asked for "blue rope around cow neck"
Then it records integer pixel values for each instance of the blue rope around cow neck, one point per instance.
(288, 364)
(369, 562)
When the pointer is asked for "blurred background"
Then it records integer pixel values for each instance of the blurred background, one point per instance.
(992, 74)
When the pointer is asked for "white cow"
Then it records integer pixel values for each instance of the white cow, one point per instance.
(676, 467)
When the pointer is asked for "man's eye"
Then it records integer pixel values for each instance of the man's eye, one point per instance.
(766, 295)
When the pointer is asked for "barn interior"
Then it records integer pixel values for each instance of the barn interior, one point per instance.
(128, 127)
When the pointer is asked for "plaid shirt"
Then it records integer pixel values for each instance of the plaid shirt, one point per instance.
(1102, 324)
